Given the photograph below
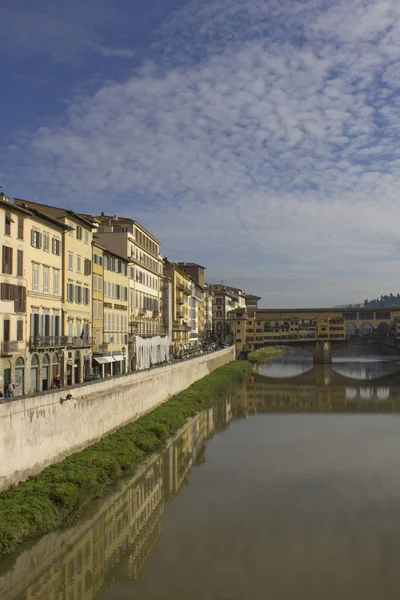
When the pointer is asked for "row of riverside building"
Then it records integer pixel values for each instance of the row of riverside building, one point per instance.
(86, 296)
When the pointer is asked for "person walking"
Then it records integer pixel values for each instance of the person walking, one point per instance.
(11, 388)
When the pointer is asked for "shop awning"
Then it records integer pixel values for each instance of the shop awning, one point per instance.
(118, 357)
(103, 359)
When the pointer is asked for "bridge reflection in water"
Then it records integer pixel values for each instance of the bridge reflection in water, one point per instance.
(341, 387)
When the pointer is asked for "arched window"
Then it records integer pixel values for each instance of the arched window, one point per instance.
(46, 360)
(19, 362)
(55, 358)
(35, 360)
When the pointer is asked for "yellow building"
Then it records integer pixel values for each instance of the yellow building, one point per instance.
(77, 288)
(180, 287)
(31, 298)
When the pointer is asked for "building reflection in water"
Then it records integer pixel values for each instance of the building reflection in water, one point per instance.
(116, 543)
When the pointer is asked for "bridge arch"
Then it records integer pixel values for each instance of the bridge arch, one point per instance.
(351, 329)
(383, 328)
(366, 329)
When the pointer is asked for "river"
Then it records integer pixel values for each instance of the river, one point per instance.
(288, 488)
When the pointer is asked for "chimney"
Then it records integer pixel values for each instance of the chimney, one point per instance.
(4, 197)
(102, 214)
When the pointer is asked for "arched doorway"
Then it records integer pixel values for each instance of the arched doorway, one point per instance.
(19, 380)
(45, 373)
(55, 367)
(351, 329)
(366, 329)
(6, 377)
(77, 369)
(70, 369)
(34, 374)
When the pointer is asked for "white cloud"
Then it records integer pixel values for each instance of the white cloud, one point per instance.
(272, 160)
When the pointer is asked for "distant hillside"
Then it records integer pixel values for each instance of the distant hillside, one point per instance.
(385, 301)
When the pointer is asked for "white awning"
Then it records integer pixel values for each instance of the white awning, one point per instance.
(118, 357)
(103, 359)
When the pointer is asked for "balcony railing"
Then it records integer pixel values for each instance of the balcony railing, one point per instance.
(9, 347)
(48, 341)
(179, 314)
(78, 342)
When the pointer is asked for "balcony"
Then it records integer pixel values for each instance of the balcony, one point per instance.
(80, 342)
(180, 300)
(184, 289)
(9, 347)
(38, 342)
(179, 314)
(102, 347)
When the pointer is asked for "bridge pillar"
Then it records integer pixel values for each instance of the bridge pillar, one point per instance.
(322, 353)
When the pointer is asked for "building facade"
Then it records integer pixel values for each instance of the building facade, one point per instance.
(225, 299)
(77, 289)
(180, 292)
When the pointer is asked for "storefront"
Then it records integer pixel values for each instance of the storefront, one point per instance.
(34, 387)
(103, 365)
(19, 379)
(119, 364)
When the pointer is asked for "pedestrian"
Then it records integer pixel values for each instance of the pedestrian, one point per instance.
(11, 388)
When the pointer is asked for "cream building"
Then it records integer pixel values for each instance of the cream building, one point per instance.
(76, 290)
(116, 324)
(97, 300)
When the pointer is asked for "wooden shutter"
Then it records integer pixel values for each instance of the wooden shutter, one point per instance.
(20, 227)
(20, 331)
(20, 263)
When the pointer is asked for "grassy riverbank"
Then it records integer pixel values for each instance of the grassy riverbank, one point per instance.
(55, 496)
(265, 354)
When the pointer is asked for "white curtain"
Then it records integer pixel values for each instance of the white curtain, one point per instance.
(151, 351)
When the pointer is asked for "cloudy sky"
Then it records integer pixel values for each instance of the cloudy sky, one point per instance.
(257, 137)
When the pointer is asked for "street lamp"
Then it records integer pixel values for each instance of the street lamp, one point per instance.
(123, 354)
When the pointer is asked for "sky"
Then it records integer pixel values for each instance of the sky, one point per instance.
(259, 138)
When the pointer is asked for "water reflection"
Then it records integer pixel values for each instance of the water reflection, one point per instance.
(292, 480)
(116, 542)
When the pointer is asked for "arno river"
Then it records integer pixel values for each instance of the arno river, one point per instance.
(288, 488)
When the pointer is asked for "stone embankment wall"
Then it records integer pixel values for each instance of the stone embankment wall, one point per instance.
(41, 430)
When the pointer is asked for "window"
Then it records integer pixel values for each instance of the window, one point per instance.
(20, 233)
(126, 294)
(86, 295)
(56, 282)
(78, 232)
(70, 261)
(94, 282)
(87, 266)
(71, 233)
(78, 263)
(56, 246)
(94, 309)
(46, 242)
(20, 263)
(99, 310)
(35, 277)
(78, 294)
(86, 237)
(7, 223)
(46, 280)
(7, 260)
(100, 283)
(70, 292)
(20, 331)
(36, 238)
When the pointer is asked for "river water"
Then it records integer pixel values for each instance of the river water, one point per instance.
(288, 488)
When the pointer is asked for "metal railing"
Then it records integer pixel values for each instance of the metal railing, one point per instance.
(47, 341)
(9, 347)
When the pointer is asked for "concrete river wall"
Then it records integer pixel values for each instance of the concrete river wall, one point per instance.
(41, 430)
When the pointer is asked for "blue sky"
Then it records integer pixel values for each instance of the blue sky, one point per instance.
(257, 137)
